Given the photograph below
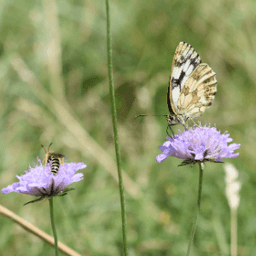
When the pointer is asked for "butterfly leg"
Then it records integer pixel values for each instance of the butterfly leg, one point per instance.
(185, 127)
(169, 126)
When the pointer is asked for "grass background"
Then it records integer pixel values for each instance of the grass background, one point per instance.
(54, 88)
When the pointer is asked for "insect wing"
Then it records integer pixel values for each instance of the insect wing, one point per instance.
(198, 92)
(184, 63)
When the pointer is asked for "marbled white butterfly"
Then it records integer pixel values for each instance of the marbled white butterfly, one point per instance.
(192, 86)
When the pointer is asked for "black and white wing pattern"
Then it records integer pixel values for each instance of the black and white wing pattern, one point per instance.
(192, 86)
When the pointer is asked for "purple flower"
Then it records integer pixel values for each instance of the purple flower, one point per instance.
(39, 181)
(199, 145)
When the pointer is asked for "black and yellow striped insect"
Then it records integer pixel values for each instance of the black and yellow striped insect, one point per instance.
(55, 158)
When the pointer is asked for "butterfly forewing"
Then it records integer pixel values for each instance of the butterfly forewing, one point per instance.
(184, 63)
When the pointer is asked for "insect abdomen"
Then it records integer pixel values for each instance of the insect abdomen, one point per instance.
(55, 165)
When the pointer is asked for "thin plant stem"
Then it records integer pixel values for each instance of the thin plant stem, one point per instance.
(233, 231)
(114, 119)
(53, 227)
(36, 231)
(192, 235)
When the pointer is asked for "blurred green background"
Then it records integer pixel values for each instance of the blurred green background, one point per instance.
(54, 88)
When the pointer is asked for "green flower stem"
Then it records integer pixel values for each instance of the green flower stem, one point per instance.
(192, 235)
(233, 231)
(53, 227)
(114, 119)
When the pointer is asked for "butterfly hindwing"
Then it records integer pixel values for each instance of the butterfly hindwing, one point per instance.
(198, 92)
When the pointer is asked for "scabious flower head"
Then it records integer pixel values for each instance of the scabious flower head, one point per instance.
(204, 143)
(39, 181)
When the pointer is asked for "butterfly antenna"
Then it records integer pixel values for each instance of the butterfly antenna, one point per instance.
(150, 115)
(140, 115)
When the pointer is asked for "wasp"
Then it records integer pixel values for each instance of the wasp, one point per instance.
(55, 158)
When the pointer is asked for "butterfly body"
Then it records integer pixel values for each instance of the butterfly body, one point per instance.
(192, 86)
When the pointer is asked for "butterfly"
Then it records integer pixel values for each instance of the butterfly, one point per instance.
(192, 86)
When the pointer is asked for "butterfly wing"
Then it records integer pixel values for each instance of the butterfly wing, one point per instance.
(184, 63)
(198, 92)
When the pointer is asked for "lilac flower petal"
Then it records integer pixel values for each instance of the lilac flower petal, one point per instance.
(161, 158)
(10, 188)
(203, 143)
